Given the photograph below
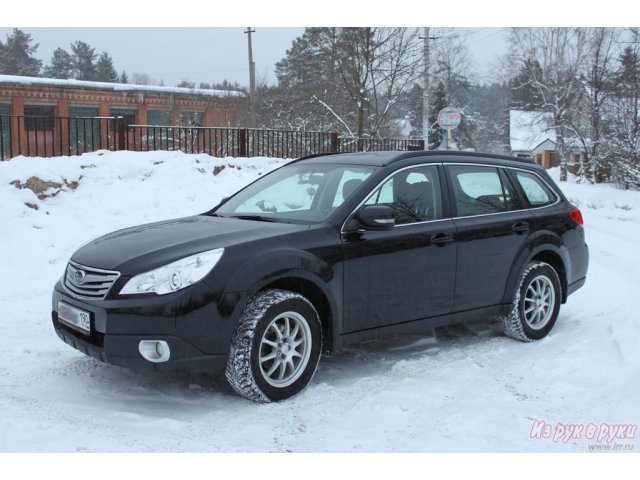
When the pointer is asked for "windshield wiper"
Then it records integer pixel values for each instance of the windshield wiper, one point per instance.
(259, 218)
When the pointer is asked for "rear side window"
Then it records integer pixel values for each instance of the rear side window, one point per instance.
(480, 190)
(537, 192)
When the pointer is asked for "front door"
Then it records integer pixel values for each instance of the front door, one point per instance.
(407, 273)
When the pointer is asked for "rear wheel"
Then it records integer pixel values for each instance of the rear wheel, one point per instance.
(275, 348)
(536, 304)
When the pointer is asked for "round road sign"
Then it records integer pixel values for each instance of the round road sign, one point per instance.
(449, 117)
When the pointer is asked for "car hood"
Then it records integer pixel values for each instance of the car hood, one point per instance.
(142, 248)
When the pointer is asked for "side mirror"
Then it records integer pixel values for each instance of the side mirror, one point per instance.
(377, 217)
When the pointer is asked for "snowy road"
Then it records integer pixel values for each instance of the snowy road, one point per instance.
(466, 389)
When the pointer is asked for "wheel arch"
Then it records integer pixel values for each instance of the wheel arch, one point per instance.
(316, 295)
(549, 253)
(555, 260)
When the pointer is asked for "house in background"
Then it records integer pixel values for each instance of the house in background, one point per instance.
(532, 135)
(401, 127)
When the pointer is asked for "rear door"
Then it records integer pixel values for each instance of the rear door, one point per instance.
(492, 228)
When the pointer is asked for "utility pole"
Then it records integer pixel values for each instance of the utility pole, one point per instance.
(425, 93)
(252, 79)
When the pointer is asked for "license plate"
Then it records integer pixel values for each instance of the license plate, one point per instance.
(74, 317)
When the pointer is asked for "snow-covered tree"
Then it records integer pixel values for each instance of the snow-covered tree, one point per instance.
(61, 65)
(561, 55)
(599, 82)
(621, 147)
(83, 58)
(348, 78)
(16, 55)
(105, 71)
(525, 95)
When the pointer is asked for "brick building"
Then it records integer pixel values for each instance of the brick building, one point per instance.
(44, 112)
(139, 104)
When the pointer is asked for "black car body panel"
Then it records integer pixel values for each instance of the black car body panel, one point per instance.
(364, 283)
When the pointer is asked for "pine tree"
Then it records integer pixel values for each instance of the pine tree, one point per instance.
(61, 65)
(438, 102)
(16, 55)
(526, 94)
(629, 71)
(105, 71)
(83, 58)
(123, 77)
(186, 83)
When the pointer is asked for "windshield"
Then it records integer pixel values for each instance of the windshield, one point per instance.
(297, 193)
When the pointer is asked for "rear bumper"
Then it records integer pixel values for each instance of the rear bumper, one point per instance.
(576, 285)
(579, 263)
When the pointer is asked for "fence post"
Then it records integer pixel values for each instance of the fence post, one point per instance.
(335, 143)
(242, 141)
(121, 133)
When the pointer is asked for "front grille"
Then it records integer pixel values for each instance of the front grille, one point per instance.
(89, 283)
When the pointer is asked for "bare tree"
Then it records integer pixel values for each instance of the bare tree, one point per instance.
(599, 82)
(621, 146)
(561, 54)
(349, 78)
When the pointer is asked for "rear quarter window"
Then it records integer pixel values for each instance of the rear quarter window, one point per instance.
(537, 192)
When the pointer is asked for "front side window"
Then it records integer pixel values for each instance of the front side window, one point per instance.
(298, 193)
(414, 194)
(480, 190)
(537, 193)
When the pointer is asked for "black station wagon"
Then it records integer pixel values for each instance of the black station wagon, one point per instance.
(324, 251)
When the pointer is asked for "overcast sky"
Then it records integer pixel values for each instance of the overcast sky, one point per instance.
(210, 54)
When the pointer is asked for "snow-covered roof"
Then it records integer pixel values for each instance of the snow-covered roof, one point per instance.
(527, 130)
(118, 87)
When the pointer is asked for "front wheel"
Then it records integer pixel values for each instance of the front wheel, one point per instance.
(536, 304)
(275, 348)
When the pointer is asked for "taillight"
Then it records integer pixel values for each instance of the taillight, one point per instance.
(576, 216)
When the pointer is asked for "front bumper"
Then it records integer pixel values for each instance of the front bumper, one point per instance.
(197, 335)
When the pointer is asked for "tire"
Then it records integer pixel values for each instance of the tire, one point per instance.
(536, 304)
(275, 348)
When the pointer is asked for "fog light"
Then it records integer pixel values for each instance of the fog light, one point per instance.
(156, 351)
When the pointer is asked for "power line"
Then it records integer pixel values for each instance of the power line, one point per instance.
(158, 47)
(500, 30)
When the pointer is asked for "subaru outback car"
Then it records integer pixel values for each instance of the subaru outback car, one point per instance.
(325, 251)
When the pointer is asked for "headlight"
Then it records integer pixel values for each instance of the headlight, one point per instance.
(174, 276)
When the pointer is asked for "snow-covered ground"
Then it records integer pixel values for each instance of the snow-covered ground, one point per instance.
(466, 389)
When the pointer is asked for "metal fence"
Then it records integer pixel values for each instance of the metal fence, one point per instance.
(56, 136)
(34, 136)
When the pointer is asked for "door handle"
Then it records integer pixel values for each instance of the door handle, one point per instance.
(441, 238)
(520, 227)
